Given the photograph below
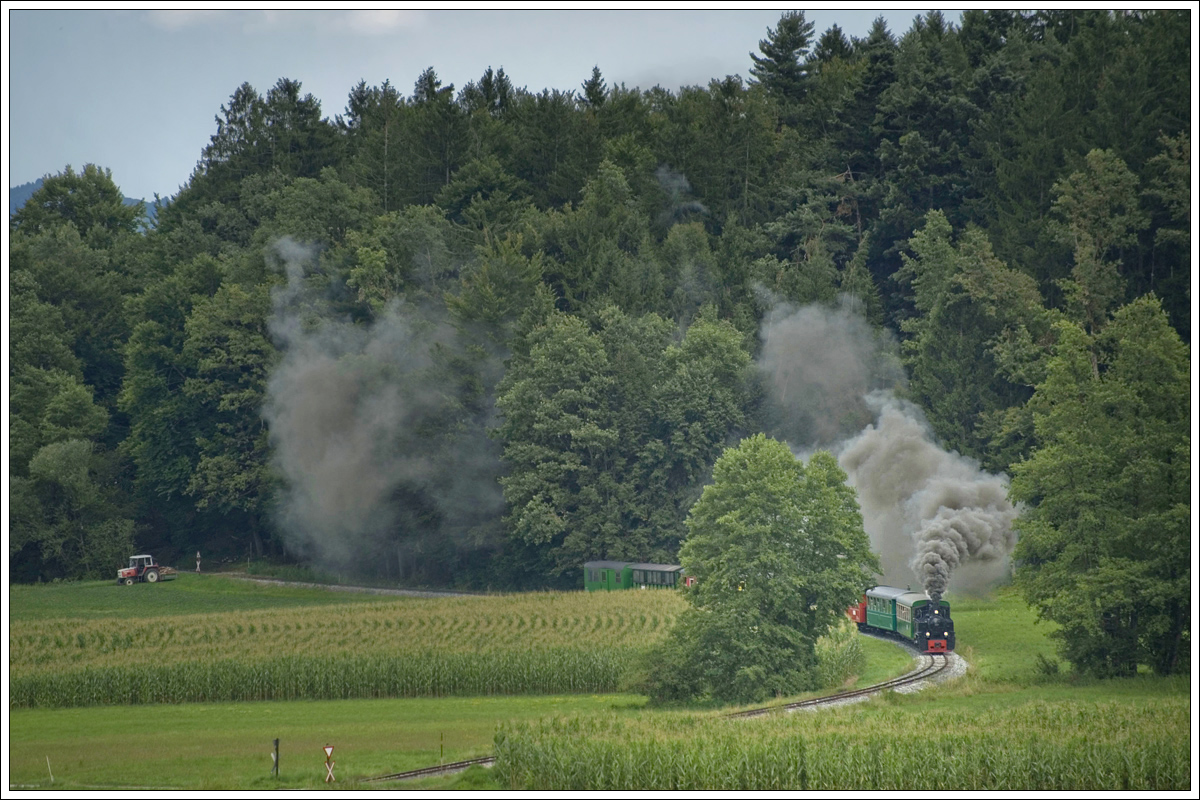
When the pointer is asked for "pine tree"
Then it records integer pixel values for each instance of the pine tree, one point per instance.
(781, 67)
(1104, 548)
(594, 90)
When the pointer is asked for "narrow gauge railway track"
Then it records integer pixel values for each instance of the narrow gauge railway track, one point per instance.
(441, 769)
(931, 666)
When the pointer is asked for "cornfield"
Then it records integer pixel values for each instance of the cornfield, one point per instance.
(1037, 747)
(515, 644)
(334, 677)
(507, 644)
(616, 620)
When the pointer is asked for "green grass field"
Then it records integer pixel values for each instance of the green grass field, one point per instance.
(188, 594)
(206, 746)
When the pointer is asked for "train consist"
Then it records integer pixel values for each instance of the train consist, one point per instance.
(907, 614)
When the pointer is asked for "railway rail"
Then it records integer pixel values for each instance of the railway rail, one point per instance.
(441, 769)
(930, 667)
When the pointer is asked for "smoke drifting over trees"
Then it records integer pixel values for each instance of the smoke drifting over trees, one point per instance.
(820, 363)
(368, 432)
(832, 382)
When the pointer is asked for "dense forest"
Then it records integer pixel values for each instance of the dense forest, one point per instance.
(474, 337)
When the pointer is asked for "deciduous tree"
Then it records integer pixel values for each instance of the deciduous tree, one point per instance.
(89, 201)
(778, 551)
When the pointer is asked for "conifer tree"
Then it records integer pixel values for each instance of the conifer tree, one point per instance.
(781, 67)
(1104, 548)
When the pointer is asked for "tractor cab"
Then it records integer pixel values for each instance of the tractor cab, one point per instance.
(140, 562)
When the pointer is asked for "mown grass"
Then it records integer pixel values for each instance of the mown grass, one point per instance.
(207, 746)
(188, 594)
(884, 661)
(1002, 637)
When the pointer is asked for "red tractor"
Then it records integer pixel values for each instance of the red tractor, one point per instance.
(143, 568)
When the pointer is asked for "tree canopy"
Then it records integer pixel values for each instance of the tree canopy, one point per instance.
(89, 201)
(1104, 547)
(778, 551)
(561, 292)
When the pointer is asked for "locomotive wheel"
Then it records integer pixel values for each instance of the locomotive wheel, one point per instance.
(129, 581)
(151, 576)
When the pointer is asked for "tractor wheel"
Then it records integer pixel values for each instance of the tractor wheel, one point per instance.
(129, 581)
(151, 576)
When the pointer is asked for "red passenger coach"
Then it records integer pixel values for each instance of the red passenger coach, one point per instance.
(858, 613)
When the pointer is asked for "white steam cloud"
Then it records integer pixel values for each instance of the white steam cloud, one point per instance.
(929, 513)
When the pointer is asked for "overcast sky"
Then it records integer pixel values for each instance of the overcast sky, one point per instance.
(137, 91)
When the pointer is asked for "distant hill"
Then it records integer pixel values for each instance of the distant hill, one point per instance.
(18, 196)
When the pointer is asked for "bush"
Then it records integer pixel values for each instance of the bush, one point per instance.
(840, 656)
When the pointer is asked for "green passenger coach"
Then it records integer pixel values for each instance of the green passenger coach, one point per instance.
(609, 575)
(606, 575)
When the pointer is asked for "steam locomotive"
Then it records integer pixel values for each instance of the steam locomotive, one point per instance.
(910, 615)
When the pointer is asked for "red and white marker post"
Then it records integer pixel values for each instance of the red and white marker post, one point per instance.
(329, 762)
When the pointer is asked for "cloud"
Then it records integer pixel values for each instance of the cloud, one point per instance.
(378, 21)
(363, 22)
(174, 20)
